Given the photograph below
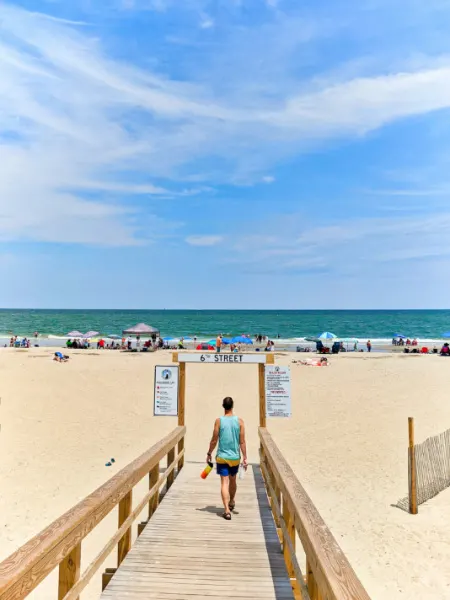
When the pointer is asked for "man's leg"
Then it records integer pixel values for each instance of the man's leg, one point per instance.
(225, 491)
(232, 488)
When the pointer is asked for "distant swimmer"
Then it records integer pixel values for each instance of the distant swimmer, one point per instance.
(229, 432)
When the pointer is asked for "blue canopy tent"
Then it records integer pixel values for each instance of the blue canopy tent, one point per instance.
(224, 341)
(241, 339)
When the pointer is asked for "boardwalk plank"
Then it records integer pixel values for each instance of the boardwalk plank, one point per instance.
(188, 552)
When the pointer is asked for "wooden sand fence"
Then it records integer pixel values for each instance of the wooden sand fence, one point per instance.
(428, 469)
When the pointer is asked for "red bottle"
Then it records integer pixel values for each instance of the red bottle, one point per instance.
(207, 470)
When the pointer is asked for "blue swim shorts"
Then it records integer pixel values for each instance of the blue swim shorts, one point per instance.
(224, 469)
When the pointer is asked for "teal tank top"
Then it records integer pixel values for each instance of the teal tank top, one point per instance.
(229, 434)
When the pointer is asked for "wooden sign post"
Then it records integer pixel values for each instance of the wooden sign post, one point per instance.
(261, 359)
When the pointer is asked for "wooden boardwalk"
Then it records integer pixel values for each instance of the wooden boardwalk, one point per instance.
(188, 551)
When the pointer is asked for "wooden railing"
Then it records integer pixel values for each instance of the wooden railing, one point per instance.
(328, 574)
(60, 543)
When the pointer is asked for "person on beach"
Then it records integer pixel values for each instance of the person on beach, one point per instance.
(369, 346)
(218, 343)
(229, 433)
(60, 357)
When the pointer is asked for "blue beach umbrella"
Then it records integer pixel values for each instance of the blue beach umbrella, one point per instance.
(326, 335)
(226, 340)
(446, 334)
(402, 337)
(168, 339)
(241, 339)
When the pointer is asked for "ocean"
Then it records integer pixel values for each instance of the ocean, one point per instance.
(377, 325)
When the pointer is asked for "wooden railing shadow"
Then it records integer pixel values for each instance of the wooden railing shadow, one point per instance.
(282, 587)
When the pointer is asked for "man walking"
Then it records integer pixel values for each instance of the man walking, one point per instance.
(229, 432)
(218, 343)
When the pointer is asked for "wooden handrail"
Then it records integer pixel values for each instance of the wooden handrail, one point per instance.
(329, 574)
(22, 572)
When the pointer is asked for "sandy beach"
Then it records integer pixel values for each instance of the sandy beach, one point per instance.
(346, 441)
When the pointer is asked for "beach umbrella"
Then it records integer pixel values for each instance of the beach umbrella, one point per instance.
(241, 339)
(168, 339)
(402, 337)
(226, 340)
(348, 341)
(141, 329)
(75, 334)
(90, 334)
(446, 334)
(326, 335)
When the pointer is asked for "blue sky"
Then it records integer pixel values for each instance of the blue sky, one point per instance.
(225, 154)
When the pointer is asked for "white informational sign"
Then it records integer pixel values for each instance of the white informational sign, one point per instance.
(166, 391)
(278, 391)
(224, 358)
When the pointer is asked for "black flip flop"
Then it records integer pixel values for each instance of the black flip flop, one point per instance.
(227, 516)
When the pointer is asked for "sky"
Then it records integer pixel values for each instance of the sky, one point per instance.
(225, 154)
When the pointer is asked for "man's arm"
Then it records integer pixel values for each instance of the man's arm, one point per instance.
(214, 440)
(242, 443)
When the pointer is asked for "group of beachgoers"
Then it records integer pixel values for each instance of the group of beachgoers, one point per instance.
(403, 342)
(15, 342)
(124, 344)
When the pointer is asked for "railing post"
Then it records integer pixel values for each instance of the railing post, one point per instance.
(180, 450)
(412, 469)
(170, 460)
(153, 480)
(313, 590)
(124, 544)
(290, 526)
(69, 571)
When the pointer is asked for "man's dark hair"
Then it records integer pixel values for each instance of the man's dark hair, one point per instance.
(228, 403)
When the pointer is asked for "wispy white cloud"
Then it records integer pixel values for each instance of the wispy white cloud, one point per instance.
(268, 179)
(341, 247)
(204, 240)
(206, 22)
(75, 124)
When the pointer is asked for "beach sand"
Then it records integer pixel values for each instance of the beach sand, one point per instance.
(346, 441)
